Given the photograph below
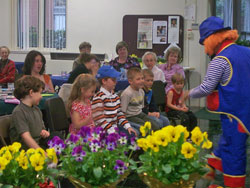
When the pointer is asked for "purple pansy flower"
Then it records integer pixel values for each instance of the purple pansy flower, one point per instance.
(111, 146)
(134, 145)
(123, 138)
(94, 145)
(72, 139)
(111, 141)
(85, 133)
(57, 144)
(78, 153)
(120, 167)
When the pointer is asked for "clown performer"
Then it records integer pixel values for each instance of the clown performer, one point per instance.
(227, 87)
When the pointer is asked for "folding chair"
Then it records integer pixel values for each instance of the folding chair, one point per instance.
(4, 129)
(64, 93)
(56, 118)
(160, 99)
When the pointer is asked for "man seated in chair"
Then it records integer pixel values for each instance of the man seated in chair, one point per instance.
(27, 125)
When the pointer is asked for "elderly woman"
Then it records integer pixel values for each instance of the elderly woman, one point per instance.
(7, 67)
(150, 59)
(123, 60)
(34, 65)
(173, 57)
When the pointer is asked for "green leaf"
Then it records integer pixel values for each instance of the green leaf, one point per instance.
(145, 158)
(167, 168)
(97, 172)
(82, 179)
(185, 177)
(195, 164)
(85, 167)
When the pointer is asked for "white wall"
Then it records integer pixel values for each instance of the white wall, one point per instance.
(100, 23)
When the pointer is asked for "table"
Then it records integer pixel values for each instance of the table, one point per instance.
(59, 80)
(7, 108)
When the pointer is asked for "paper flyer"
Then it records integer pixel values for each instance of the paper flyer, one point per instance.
(144, 36)
(160, 32)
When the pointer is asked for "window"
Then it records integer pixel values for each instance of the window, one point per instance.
(235, 14)
(41, 24)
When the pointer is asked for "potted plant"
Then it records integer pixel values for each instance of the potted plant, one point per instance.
(93, 158)
(170, 159)
(24, 169)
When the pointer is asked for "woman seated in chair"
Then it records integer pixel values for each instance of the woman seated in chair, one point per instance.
(7, 67)
(123, 61)
(34, 65)
(149, 59)
(173, 58)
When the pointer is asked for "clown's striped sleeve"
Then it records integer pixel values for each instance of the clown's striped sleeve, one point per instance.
(218, 72)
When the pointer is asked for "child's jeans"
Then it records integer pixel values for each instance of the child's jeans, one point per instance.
(162, 120)
(142, 118)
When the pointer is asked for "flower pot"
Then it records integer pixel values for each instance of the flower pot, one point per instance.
(152, 182)
(79, 184)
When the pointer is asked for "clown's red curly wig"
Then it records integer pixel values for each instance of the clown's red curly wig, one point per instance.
(213, 41)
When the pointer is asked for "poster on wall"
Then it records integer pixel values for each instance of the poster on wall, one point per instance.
(160, 32)
(144, 36)
(173, 29)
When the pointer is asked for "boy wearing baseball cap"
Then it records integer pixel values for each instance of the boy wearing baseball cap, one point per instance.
(106, 105)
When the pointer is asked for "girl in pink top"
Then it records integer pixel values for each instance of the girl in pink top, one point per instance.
(79, 104)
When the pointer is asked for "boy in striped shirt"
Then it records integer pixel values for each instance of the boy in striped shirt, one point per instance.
(106, 105)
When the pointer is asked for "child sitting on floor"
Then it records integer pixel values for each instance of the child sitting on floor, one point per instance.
(176, 109)
(27, 126)
(106, 104)
(79, 104)
(150, 107)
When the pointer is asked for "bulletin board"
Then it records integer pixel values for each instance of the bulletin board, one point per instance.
(130, 33)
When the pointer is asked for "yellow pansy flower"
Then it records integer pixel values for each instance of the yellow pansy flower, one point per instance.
(143, 131)
(207, 144)
(23, 162)
(37, 161)
(196, 129)
(153, 144)
(30, 151)
(3, 163)
(7, 155)
(3, 149)
(52, 155)
(205, 135)
(183, 129)
(161, 138)
(15, 147)
(197, 136)
(40, 151)
(147, 125)
(188, 150)
(142, 143)
(173, 134)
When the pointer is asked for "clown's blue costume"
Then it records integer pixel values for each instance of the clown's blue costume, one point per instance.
(232, 102)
